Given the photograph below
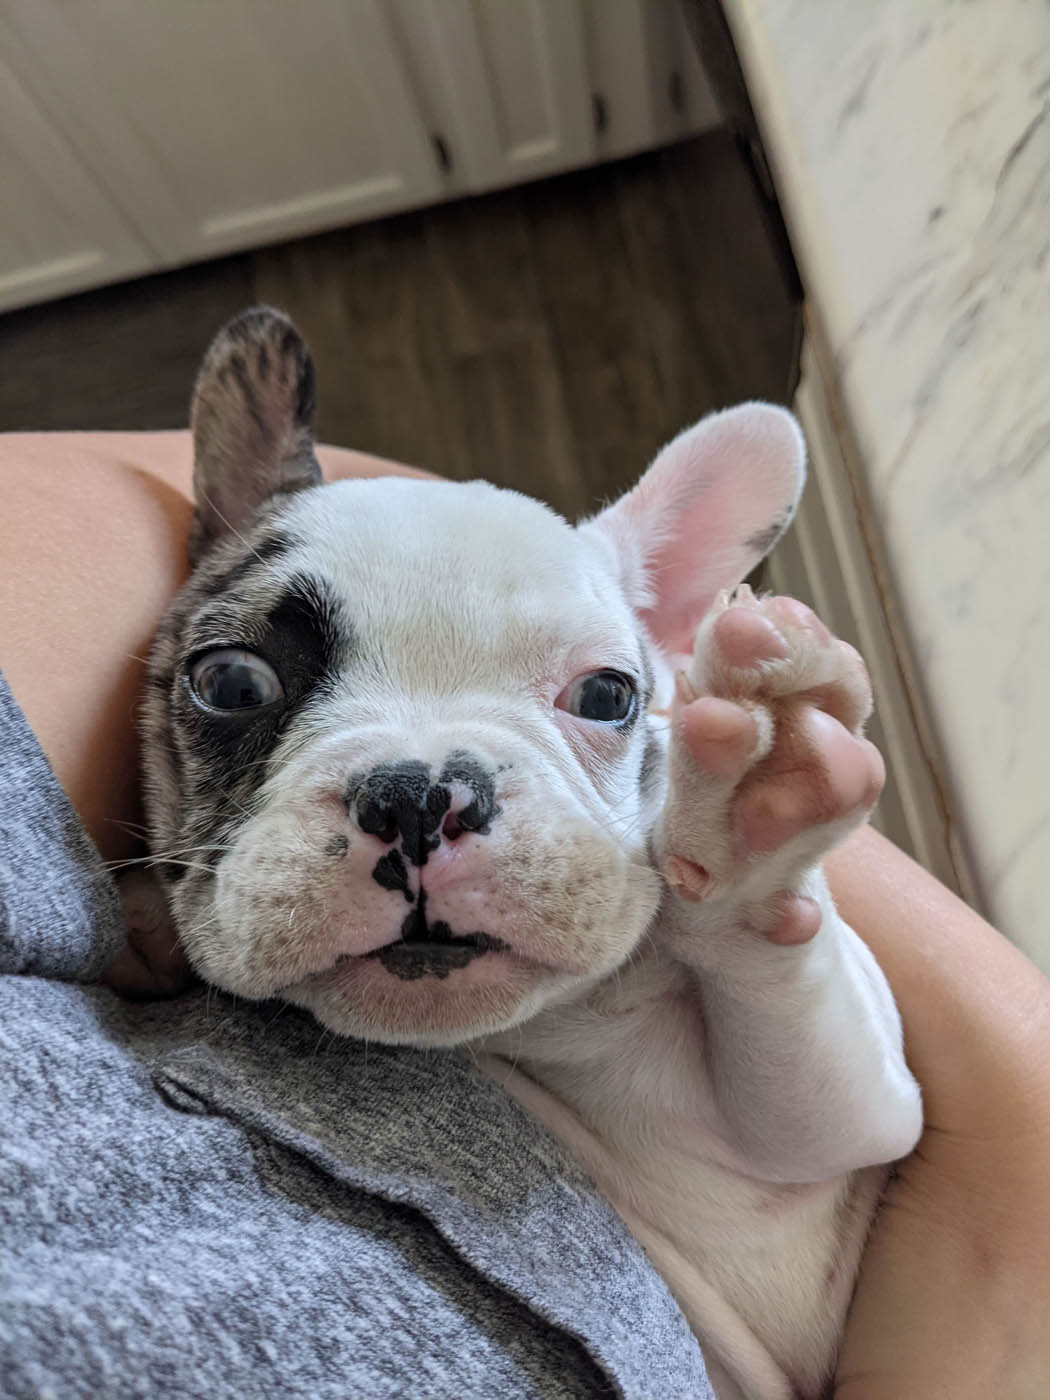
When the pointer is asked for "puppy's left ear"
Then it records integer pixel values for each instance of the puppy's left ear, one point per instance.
(252, 417)
(714, 502)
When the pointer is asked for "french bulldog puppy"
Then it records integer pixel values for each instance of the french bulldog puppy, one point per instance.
(430, 762)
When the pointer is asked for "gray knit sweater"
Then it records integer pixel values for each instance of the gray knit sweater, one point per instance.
(204, 1198)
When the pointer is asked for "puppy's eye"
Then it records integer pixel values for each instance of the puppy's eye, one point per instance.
(234, 680)
(603, 696)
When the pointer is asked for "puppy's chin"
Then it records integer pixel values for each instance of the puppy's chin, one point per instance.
(493, 992)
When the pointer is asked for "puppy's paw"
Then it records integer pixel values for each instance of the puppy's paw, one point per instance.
(151, 964)
(768, 765)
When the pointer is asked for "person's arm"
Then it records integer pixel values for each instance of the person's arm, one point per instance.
(953, 1299)
(93, 546)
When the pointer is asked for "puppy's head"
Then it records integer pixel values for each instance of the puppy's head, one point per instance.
(402, 753)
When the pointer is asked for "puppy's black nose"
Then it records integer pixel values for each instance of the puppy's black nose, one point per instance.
(400, 800)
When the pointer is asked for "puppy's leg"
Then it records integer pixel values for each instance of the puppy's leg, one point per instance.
(151, 964)
(768, 771)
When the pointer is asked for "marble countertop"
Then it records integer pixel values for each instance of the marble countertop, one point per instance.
(911, 148)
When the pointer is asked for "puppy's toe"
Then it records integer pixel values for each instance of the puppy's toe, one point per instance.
(745, 638)
(720, 736)
(818, 773)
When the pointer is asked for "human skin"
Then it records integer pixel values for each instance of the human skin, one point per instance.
(954, 1291)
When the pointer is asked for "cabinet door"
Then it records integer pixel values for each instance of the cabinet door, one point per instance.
(506, 80)
(58, 231)
(648, 84)
(224, 123)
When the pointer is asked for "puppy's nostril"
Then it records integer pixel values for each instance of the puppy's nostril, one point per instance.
(477, 815)
(377, 820)
(451, 827)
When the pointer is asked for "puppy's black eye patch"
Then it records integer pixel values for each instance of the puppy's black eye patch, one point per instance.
(272, 661)
(235, 700)
(230, 680)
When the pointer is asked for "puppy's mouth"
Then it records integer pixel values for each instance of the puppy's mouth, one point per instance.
(429, 949)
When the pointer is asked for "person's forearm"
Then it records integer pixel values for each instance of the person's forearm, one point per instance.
(957, 982)
(954, 1294)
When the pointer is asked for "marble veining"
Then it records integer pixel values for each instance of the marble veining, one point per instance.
(912, 150)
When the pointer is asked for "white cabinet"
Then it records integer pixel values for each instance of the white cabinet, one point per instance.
(221, 123)
(505, 83)
(203, 126)
(523, 88)
(648, 84)
(58, 230)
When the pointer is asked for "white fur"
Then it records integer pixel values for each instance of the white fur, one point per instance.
(733, 1098)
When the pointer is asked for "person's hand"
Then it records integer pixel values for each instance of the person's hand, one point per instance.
(953, 1298)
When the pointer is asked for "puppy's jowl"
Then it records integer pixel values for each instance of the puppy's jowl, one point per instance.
(427, 760)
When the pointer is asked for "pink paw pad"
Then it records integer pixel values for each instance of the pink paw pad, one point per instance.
(720, 735)
(745, 638)
(797, 921)
(791, 613)
(817, 773)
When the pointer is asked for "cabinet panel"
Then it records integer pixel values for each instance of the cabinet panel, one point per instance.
(58, 232)
(645, 74)
(517, 52)
(509, 80)
(222, 125)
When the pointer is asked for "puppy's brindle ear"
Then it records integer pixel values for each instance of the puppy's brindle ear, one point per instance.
(252, 417)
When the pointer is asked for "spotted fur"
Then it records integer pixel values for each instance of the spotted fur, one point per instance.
(419, 843)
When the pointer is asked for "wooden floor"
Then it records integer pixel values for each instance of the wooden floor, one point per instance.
(549, 337)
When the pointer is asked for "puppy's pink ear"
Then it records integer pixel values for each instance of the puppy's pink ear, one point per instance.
(713, 503)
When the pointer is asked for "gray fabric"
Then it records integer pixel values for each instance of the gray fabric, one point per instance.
(61, 915)
(202, 1198)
